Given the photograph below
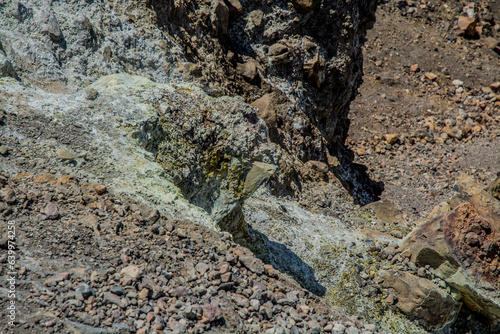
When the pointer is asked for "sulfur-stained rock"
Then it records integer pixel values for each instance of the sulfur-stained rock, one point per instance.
(419, 298)
(216, 150)
(310, 52)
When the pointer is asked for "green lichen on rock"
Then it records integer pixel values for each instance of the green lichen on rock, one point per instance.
(216, 150)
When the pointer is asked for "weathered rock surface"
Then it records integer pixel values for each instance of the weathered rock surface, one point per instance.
(462, 247)
(215, 150)
(421, 299)
(307, 54)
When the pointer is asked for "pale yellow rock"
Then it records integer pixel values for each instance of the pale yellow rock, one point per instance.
(391, 138)
(431, 76)
(65, 154)
(143, 294)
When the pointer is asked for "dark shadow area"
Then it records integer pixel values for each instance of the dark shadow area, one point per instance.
(471, 323)
(272, 253)
(355, 179)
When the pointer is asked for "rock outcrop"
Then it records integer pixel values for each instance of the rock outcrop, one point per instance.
(215, 151)
(300, 63)
(304, 57)
(461, 248)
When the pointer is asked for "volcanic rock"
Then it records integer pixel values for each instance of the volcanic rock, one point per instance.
(462, 246)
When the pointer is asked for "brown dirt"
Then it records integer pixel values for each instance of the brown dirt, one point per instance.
(420, 168)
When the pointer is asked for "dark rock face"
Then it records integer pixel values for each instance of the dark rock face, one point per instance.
(306, 55)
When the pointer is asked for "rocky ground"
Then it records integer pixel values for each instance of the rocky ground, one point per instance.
(428, 109)
(91, 262)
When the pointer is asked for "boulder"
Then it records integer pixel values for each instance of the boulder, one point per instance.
(216, 150)
(462, 246)
(421, 299)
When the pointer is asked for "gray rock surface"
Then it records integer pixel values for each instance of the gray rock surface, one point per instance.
(307, 56)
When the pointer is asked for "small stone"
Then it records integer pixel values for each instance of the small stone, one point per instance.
(153, 216)
(414, 68)
(117, 290)
(58, 278)
(431, 76)
(111, 298)
(92, 94)
(202, 268)
(457, 83)
(65, 154)
(74, 302)
(467, 25)
(132, 271)
(265, 110)
(338, 328)
(351, 330)
(248, 70)
(390, 299)
(50, 323)
(211, 313)
(495, 86)
(303, 5)
(51, 211)
(391, 138)
(8, 195)
(124, 258)
(328, 328)
(490, 42)
(85, 290)
(270, 271)
(144, 293)
(255, 19)
(252, 263)
(49, 25)
(100, 189)
(235, 7)
(4, 150)
(180, 291)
